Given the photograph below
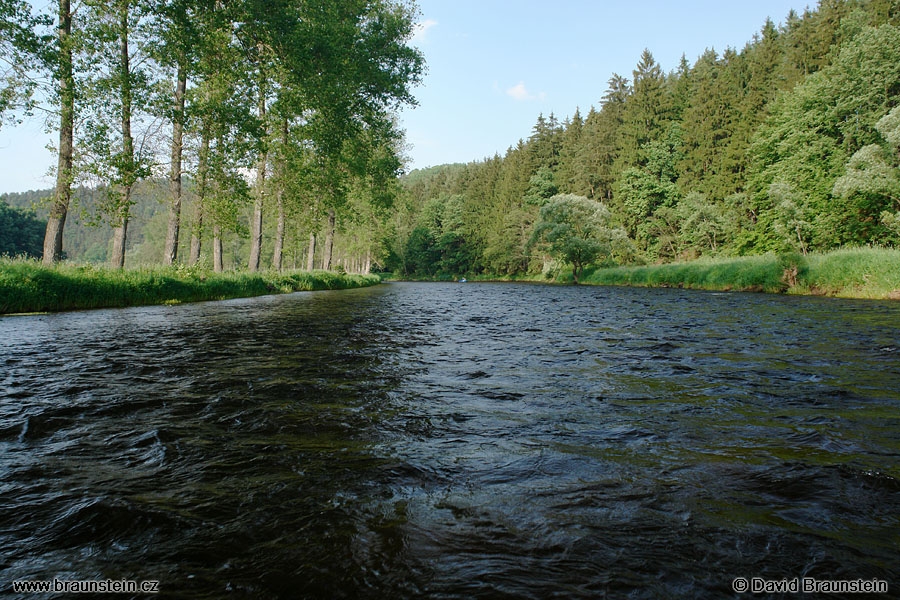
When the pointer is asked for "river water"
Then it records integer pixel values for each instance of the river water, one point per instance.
(453, 441)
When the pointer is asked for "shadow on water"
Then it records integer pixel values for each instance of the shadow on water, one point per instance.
(442, 440)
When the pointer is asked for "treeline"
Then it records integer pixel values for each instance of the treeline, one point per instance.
(271, 121)
(21, 232)
(789, 144)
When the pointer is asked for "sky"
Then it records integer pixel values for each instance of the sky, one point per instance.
(493, 66)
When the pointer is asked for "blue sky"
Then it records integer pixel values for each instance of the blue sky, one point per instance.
(494, 65)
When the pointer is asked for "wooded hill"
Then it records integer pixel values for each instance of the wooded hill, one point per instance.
(784, 145)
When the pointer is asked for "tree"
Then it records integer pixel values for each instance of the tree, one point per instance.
(791, 221)
(644, 116)
(541, 187)
(63, 66)
(178, 29)
(702, 222)
(576, 230)
(872, 177)
(601, 142)
(642, 190)
(21, 232)
(119, 94)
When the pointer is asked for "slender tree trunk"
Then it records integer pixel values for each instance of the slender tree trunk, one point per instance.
(53, 238)
(218, 265)
(802, 245)
(256, 224)
(203, 173)
(329, 241)
(311, 254)
(279, 232)
(117, 260)
(170, 254)
(368, 268)
(279, 203)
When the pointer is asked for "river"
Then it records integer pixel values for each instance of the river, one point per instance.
(454, 441)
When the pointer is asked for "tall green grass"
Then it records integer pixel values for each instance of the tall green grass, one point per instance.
(27, 286)
(849, 272)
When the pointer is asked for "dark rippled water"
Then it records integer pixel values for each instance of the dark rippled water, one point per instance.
(454, 441)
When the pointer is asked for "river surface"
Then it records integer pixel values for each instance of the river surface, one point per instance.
(454, 441)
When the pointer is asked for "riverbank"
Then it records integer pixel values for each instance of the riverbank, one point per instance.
(872, 273)
(27, 286)
(848, 273)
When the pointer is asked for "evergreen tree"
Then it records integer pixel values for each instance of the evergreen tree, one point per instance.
(644, 117)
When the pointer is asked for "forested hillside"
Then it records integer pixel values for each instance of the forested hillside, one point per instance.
(87, 238)
(788, 144)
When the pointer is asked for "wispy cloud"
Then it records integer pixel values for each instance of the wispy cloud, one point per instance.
(421, 29)
(520, 93)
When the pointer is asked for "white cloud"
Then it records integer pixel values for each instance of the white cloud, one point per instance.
(421, 29)
(520, 92)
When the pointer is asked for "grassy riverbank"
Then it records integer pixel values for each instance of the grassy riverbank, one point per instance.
(847, 273)
(26, 286)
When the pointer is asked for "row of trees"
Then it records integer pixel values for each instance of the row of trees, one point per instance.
(272, 107)
(783, 145)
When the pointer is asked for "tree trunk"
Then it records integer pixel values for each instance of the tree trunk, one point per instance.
(256, 223)
(310, 257)
(218, 265)
(203, 173)
(802, 245)
(170, 255)
(279, 233)
(368, 268)
(277, 254)
(53, 238)
(329, 241)
(117, 260)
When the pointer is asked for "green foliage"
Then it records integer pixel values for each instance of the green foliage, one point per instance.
(703, 223)
(576, 231)
(22, 50)
(817, 128)
(422, 254)
(21, 232)
(642, 190)
(541, 187)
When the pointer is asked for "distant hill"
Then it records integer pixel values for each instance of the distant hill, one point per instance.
(87, 241)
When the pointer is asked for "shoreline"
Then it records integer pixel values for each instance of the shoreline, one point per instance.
(858, 273)
(26, 287)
